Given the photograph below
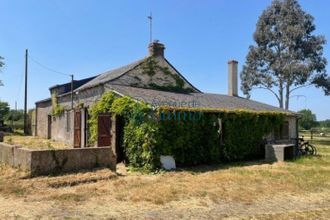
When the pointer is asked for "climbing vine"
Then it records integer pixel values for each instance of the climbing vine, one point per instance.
(57, 109)
(150, 67)
(191, 136)
(109, 103)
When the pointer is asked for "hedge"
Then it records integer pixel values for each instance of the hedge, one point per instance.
(192, 137)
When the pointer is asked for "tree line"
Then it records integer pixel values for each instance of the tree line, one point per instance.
(308, 120)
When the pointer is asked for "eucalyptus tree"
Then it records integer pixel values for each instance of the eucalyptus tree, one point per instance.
(287, 55)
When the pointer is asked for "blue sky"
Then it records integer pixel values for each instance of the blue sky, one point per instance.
(88, 37)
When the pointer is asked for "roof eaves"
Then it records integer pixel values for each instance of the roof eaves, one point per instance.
(43, 100)
(224, 110)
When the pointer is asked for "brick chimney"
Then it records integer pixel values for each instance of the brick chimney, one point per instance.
(232, 78)
(156, 49)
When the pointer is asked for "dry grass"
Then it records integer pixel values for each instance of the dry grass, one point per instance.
(32, 142)
(298, 189)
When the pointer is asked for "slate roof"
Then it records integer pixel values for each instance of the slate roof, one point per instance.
(193, 100)
(76, 84)
(110, 75)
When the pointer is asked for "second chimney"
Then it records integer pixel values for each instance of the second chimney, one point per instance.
(232, 78)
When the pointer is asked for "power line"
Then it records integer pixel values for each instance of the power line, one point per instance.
(58, 72)
(48, 68)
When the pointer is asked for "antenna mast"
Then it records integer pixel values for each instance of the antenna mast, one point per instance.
(150, 21)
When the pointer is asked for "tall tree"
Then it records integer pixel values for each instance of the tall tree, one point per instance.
(287, 55)
(1, 65)
(307, 120)
(4, 110)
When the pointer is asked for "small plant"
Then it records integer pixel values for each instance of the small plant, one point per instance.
(150, 68)
(50, 146)
(57, 109)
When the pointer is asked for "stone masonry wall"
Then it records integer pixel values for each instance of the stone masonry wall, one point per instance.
(137, 77)
(62, 126)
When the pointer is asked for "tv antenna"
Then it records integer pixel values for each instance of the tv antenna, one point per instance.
(150, 23)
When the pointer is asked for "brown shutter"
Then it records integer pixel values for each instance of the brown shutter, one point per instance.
(77, 129)
(104, 130)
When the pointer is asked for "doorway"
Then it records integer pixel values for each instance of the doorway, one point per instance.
(49, 127)
(77, 129)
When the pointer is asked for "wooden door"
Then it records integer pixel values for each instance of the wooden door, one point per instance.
(49, 126)
(104, 130)
(77, 129)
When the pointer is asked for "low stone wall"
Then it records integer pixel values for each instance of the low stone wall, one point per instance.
(44, 162)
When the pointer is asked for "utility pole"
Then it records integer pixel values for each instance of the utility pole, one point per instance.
(71, 91)
(25, 93)
(12, 120)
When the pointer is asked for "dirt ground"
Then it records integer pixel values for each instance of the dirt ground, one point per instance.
(297, 189)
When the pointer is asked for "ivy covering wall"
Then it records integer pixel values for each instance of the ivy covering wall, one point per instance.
(57, 109)
(191, 137)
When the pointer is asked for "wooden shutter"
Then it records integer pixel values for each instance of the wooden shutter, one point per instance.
(104, 130)
(77, 129)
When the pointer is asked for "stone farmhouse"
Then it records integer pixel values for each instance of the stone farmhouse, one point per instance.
(160, 86)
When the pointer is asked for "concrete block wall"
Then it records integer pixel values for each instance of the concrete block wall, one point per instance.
(67, 160)
(279, 152)
(15, 156)
(45, 162)
(42, 112)
(62, 127)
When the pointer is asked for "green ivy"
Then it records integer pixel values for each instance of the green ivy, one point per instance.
(191, 141)
(150, 66)
(109, 103)
(57, 109)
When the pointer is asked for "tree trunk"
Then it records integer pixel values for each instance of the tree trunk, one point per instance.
(280, 91)
(287, 96)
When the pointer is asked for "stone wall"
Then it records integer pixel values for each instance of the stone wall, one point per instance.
(45, 162)
(292, 127)
(137, 77)
(62, 126)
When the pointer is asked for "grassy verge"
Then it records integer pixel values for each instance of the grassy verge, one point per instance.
(285, 190)
(33, 142)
